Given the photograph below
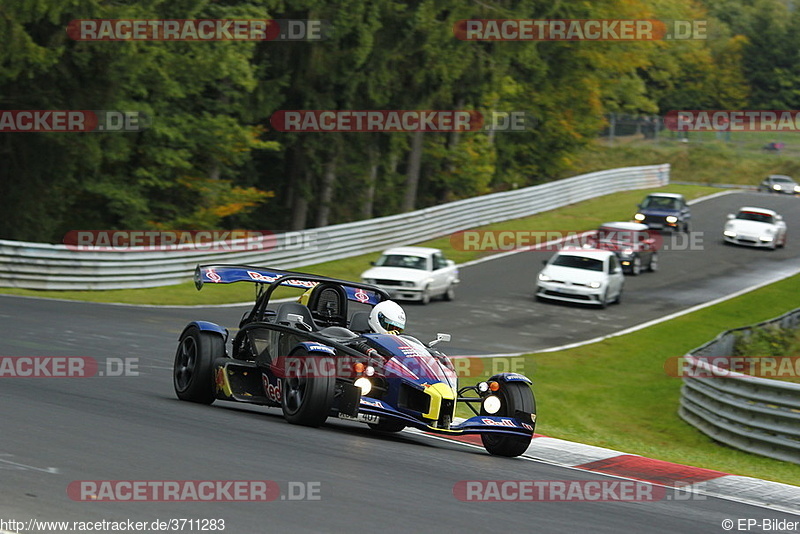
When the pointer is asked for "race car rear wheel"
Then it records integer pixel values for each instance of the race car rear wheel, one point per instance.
(307, 392)
(514, 396)
(193, 370)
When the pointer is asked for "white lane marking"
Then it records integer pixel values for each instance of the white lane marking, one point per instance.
(24, 467)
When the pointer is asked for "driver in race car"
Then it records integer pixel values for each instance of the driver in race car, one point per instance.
(387, 317)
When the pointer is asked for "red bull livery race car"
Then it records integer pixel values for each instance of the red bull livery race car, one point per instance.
(322, 357)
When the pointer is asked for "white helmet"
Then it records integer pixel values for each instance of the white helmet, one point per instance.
(387, 317)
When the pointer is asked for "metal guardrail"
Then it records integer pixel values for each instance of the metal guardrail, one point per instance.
(753, 414)
(58, 267)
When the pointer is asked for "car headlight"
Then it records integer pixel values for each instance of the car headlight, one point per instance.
(595, 285)
(627, 252)
(765, 238)
(671, 219)
(364, 384)
(492, 404)
(797, 189)
(639, 216)
(777, 187)
(544, 278)
(729, 233)
(407, 284)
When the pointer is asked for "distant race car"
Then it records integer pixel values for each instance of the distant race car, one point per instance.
(320, 358)
(755, 227)
(664, 211)
(779, 183)
(587, 276)
(414, 273)
(631, 242)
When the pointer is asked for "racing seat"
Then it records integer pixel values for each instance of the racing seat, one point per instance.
(328, 304)
(359, 322)
(283, 311)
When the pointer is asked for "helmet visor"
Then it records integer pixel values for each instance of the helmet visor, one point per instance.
(389, 324)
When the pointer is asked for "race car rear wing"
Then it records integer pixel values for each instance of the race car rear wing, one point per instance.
(228, 274)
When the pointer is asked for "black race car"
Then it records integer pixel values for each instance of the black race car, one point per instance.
(318, 358)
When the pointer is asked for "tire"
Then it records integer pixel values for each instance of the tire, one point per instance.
(426, 297)
(604, 300)
(193, 369)
(514, 396)
(450, 294)
(618, 300)
(387, 426)
(307, 400)
(783, 241)
(687, 228)
(653, 267)
(636, 266)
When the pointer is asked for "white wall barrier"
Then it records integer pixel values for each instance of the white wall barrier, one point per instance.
(60, 267)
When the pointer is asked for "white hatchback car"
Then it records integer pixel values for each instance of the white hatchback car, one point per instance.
(755, 227)
(588, 276)
(414, 273)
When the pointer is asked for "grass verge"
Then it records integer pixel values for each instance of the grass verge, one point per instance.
(578, 217)
(616, 393)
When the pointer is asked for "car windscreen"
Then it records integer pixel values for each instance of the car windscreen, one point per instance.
(579, 262)
(782, 179)
(618, 236)
(753, 216)
(398, 260)
(662, 203)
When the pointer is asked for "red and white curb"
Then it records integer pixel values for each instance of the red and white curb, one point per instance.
(562, 453)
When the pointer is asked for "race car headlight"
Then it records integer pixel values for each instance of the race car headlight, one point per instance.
(671, 219)
(729, 233)
(765, 238)
(544, 278)
(595, 285)
(492, 404)
(364, 384)
(797, 189)
(406, 283)
(777, 187)
(483, 387)
(639, 216)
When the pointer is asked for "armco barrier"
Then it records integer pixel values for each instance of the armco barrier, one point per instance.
(753, 414)
(45, 266)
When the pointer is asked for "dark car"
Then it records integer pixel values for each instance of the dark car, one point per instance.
(633, 244)
(664, 211)
(320, 358)
(779, 183)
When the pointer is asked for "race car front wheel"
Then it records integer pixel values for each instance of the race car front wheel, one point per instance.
(307, 390)
(514, 396)
(193, 373)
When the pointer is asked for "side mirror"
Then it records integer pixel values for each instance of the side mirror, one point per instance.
(372, 262)
(451, 263)
(779, 217)
(731, 216)
(544, 262)
(439, 338)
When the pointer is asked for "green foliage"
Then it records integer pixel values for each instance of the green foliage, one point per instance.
(210, 104)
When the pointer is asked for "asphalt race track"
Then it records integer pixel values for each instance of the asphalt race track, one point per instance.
(54, 431)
